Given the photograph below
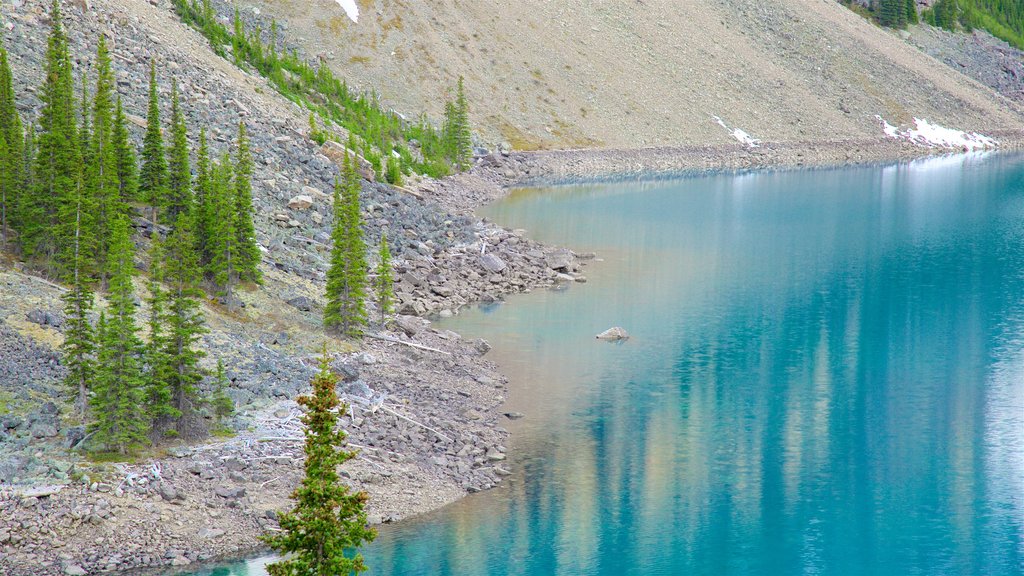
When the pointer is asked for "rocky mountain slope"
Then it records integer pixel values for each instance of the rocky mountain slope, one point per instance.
(587, 73)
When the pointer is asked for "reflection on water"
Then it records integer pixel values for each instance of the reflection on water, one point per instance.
(826, 377)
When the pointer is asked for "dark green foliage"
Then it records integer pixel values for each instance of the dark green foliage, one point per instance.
(158, 390)
(204, 201)
(345, 311)
(322, 533)
(910, 8)
(56, 216)
(124, 153)
(179, 174)
(384, 282)
(119, 421)
(1003, 19)
(153, 176)
(315, 133)
(319, 90)
(892, 13)
(101, 172)
(248, 253)
(223, 406)
(184, 323)
(12, 172)
(393, 172)
(222, 242)
(79, 339)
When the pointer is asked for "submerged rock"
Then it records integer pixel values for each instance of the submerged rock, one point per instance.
(614, 334)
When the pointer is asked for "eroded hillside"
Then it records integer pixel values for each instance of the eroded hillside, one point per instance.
(643, 72)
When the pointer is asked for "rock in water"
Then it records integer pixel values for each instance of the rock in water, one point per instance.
(613, 334)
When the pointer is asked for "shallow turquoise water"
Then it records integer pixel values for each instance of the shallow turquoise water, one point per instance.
(826, 377)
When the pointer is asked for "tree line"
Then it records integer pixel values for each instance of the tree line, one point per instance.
(70, 185)
(381, 136)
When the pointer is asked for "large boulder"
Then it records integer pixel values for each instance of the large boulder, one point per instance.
(492, 263)
(613, 334)
(560, 260)
(300, 202)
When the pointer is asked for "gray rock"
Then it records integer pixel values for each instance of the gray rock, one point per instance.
(168, 493)
(559, 260)
(514, 415)
(43, 430)
(492, 263)
(411, 325)
(210, 533)
(300, 202)
(74, 570)
(230, 493)
(482, 346)
(613, 334)
(302, 303)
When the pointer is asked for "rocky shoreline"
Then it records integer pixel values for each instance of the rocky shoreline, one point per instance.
(426, 404)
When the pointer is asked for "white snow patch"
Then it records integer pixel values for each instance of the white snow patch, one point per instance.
(740, 135)
(350, 8)
(928, 135)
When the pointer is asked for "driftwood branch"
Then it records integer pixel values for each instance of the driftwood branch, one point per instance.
(420, 424)
(410, 344)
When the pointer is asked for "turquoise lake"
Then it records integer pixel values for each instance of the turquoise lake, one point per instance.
(826, 376)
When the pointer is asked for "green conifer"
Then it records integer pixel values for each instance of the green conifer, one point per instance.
(153, 176)
(79, 339)
(184, 325)
(248, 252)
(179, 189)
(322, 533)
(124, 152)
(223, 239)
(102, 169)
(462, 138)
(384, 282)
(345, 311)
(118, 400)
(203, 201)
(11, 153)
(158, 390)
(55, 218)
(223, 406)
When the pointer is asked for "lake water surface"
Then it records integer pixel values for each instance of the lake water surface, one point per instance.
(826, 376)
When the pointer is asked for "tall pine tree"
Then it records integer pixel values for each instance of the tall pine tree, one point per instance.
(179, 189)
(223, 238)
(158, 389)
(102, 169)
(248, 253)
(322, 533)
(118, 400)
(56, 220)
(124, 152)
(185, 324)
(153, 176)
(12, 173)
(79, 338)
(345, 311)
(385, 281)
(462, 137)
(203, 200)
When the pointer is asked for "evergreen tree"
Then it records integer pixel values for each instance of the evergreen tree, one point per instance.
(11, 153)
(118, 400)
(223, 406)
(248, 253)
(79, 339)
(158, 390)
(153, 176)
(448, 131)
(223, 239)
(179, 190)
(184, 323)
(384, 283)
(462, 137)
(204, 201)
(124, 152)
(322, 533)
(345, 311)
(911, 11)
(102, 167)
(56, 219)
